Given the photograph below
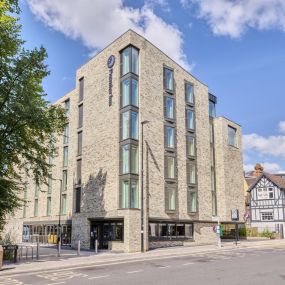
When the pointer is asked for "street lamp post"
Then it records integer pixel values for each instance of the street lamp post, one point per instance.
(142, 196)
(59, 214)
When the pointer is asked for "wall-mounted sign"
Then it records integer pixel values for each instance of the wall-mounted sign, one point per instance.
(234, 215)
(110, 64)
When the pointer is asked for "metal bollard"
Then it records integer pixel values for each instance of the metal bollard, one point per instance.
(96, 246)
(38, 250)
(78, 248)
(59, 247)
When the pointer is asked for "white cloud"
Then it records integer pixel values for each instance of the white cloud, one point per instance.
(272, 145)
(281, 127)
(233, 17)
(269, 167)
(96, 23)
(185, 3)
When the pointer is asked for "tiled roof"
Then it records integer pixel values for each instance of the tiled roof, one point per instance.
(277, 180)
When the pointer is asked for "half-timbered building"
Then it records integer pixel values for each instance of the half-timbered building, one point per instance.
(267, 202)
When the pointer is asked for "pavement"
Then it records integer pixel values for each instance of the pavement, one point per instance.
(88, 258)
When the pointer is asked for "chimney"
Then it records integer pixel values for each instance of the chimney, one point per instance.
(258, 169)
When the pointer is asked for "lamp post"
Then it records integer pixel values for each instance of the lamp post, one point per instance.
(59, 214)
(142, 196)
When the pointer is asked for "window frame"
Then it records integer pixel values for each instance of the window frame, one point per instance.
(235, 137)
(77, 200)
(166, 178)
(130, 180)
(129, 112)
(186, 119)
(165, 97)
(169, 148)
(80, 116)
(130, 71)
(130, 170)
(190, 135)
(191, 104)
(81, 89)
(164, 79)
(190, 163)
(170, 187)
(192, 190)
(130, 78)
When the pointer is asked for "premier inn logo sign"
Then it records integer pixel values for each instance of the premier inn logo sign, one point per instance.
(110, 64)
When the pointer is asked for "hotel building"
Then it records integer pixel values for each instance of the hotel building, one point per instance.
(144, 162)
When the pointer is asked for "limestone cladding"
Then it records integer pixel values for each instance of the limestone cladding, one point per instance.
(229, 170)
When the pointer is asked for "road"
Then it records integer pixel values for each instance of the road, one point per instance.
(240, 266)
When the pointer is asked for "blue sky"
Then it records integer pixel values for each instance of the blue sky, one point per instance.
(236, 47)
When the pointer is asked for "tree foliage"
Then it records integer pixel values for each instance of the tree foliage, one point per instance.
(28, 123)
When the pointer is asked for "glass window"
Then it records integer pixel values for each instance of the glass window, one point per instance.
(80, 114)
(135, 93)
(64, 180)
(212, 109)
(169, 137)
(125, 158)
(125, 125)
(170, 198)
(48, 206)
(125, 92)
(81, 89)
(63, 204)
(169, 108)
(66, 134)
(79, 171)
(134, 159)
(190, 144)
(270, 193)
(168, 79)
(192, 201)
(134, 194)
(134, 125)
(153, 230)
(49, 184)
(232, 136)
(125, 194)
(126, 61)
(135, 61)
(180, 230)
(77, 200)
(79, 146)
(67, 106)
(65, 156)
(267, 216)
(36, 208)
(189, 93)
(190, 119)
(191, 173)
(188, 230)
(170, 162)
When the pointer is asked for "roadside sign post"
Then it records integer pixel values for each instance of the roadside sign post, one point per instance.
(235, 218)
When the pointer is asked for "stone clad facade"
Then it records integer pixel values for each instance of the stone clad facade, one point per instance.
(94, 200)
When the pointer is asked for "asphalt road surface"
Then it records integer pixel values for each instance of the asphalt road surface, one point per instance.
(242, 266)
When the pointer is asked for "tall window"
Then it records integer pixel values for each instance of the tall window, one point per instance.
(190, 119)
(80, 116)
(48, 206)
(190, 144)
(170, 167)
(129, 125)
(124, 199)
(134, 159)
(170, 199)
(67, 106)
(125, 168)
(169, 107)
(81, 89)
(77, 199)
(129, 92)
(79, 171)
(192, 201)
(49, 185)
(168, 79)
(65, 156)
(64, 180)
(63, 204)
(191, 172)
(169, 137)
(189, 93)
(134, 194)
(129, 194)
(232, 140)
(130, 61)
(212, 109)
(36, 208)
(66, 134)
(79, 145)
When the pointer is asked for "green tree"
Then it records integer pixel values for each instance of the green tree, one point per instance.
(28, 123)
